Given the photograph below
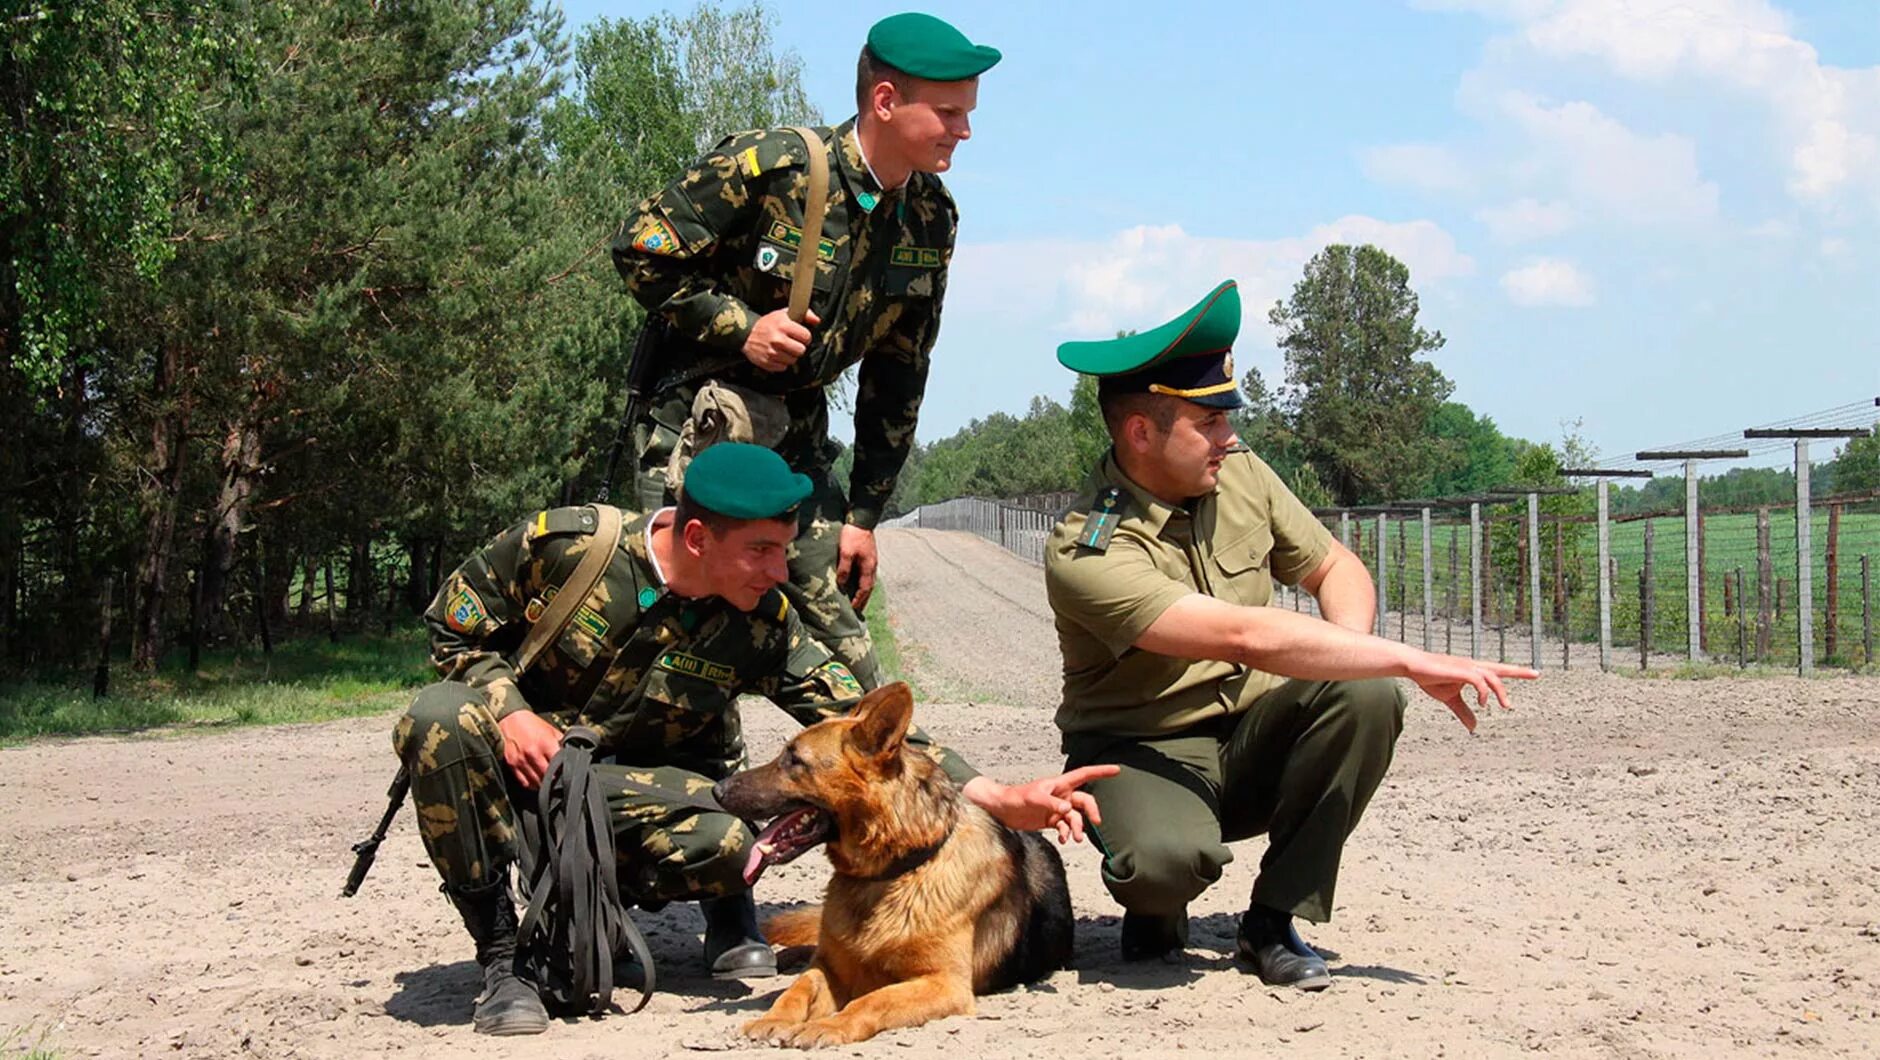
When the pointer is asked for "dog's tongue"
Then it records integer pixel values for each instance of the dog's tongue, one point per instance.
(769, 850)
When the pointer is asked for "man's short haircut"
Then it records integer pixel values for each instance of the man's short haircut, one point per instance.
(717, 522)
(871, 71)
(1119, 406)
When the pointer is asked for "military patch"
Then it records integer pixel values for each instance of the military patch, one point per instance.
(767, 257)
(647, 596)
(590, 620)
(533, 612)
(918, 257)
(466, 612)
(866, 200)
(655, 237)
(841, 681)
(1100, 522)
(693, 666)
(791, 236)
(747, 161)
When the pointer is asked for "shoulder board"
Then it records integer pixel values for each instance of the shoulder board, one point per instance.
(933, 187)
(1100, 522)
(766, 150)
(573, 520)
(774, 606)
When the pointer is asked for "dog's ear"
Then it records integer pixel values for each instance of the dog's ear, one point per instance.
(882, 719)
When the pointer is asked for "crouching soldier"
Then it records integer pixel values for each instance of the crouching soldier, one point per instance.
(685, 618)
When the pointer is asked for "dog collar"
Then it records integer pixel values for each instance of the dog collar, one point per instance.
(909, 861)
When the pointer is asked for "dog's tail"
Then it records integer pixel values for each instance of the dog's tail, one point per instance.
(795, 927)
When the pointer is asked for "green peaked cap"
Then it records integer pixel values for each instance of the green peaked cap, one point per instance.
(928, 47)
(1208, 328)
(744, 482)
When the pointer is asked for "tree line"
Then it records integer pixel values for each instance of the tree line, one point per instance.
(298, 302)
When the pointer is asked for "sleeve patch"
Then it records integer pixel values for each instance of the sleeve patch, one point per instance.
(747, 162)
(466, 613)
(652, 235)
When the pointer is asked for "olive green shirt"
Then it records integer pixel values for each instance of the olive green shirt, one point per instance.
(656, 674)
(1230, 544)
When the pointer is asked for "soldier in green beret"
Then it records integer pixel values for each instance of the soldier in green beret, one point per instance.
(1228, 717)
(712, 256)
(686, 618)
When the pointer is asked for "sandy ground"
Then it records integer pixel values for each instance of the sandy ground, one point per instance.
(1620, 868)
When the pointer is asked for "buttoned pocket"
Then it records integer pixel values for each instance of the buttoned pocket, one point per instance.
(1244, 568)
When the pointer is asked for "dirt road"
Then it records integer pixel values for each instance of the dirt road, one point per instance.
(1620, 868)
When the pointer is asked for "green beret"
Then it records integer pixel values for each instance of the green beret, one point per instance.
(927, 47)
(744, 482)
(1189, 357)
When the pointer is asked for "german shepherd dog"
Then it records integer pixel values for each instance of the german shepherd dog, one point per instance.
(932, 902)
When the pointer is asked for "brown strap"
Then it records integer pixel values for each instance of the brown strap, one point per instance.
(575, 590)
(802, 280)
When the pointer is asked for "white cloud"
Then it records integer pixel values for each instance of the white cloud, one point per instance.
(1828, 117)
(1526, 219)
(1836, 247)
(1548, 282)
(1142, 276)
(1637, 178)
(1427, 167)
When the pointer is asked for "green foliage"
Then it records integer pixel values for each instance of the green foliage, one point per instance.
(1476, 455)
(1856, 467)
(1356, 394)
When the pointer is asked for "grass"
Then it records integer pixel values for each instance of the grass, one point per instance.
(881, 632)
(22, 1044)
(308, 679)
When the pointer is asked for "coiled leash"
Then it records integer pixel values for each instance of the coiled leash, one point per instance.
(575, 914)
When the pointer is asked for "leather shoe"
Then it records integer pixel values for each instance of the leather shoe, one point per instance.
(1267, 941)
(734, 947)
(1148, 937)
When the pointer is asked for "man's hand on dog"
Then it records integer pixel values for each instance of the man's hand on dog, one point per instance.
(529, 743)
(1047, 803)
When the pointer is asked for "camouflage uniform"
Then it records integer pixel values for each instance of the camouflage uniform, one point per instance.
(655, 674)
(716, 250)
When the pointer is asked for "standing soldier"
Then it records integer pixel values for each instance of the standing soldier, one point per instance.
(1229, 718)
(685, 618)
(712, 257)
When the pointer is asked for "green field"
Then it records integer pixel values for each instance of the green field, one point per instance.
(1729, 545)
(307, 679)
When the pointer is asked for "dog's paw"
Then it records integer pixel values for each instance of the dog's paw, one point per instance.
(817, 1034)
(769, 1029)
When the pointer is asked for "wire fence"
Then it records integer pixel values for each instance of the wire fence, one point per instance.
(1528, 576)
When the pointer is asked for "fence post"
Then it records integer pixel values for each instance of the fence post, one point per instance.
(1648, 599)
(1403, 581)
(1383, 577)
(1534, 580)
(1693, 577)
(1831, 616)
(1742, 624)
(1804, 562)
(1344, 528)
(1475, 579)
(1455, 593)
(1605, 582)
(1866, 612)
(1429, 583)
(1765, 589)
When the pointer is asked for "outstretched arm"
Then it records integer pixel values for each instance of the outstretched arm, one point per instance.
(1295, 645)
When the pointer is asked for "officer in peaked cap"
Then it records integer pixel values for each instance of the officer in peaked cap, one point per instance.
(711, 258)
(1229, 718)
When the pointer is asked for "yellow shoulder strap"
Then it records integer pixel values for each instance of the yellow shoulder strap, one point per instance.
(802, 280)
(574, 592)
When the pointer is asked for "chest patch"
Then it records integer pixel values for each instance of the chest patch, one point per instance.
(466, 612)
(792, 236)
(1101, 521)
(917, 257)
(692, 666)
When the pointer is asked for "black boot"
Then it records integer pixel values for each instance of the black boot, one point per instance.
(1148, 936)
(508, 1005)
(734, 947)
(1267, 941)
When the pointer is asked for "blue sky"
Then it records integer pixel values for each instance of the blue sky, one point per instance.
(1658, 217)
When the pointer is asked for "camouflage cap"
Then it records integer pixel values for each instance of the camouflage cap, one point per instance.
(1190, 357)
(925, 46)
(744, 482)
